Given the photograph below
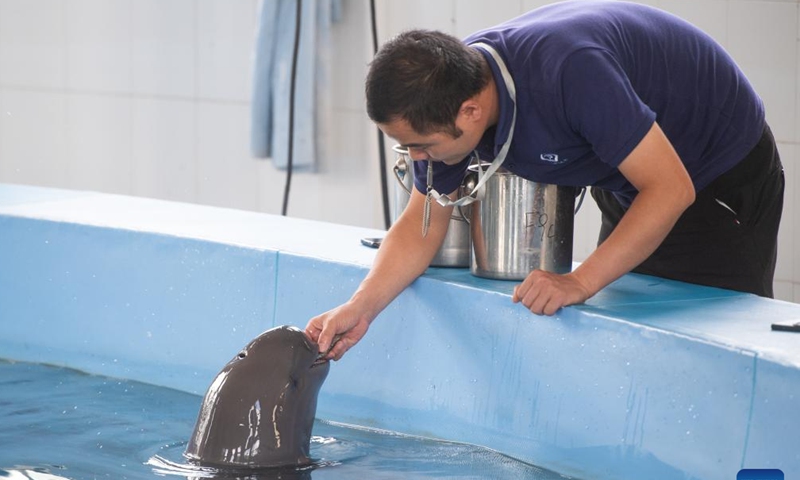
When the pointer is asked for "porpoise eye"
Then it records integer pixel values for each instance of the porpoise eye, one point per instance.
(242, 354)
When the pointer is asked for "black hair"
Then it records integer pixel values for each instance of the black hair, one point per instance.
(423, 77)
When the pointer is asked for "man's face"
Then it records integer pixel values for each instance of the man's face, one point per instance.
(439, 146)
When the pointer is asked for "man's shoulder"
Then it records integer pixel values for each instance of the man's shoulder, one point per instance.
(572, 24)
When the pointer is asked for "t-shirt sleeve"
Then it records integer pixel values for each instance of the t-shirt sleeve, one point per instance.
(601, 105)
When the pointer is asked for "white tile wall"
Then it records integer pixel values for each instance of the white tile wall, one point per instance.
(99, 43)
(772, 71)
(531, 4)
(224, 38)
(394, 17)
(345, 188)
(797, 83)
(225, 172)
(791, 158)
(99, 143)
(164, 149)
(587, 228)
(271, 183)
(704, 14)
(33, 137)
(32, 53)
(150, 97)
(349, 70)
(164, 54)
(791, 214)
(784, 290)
(6, 159)
(357, 181)
(473, 16)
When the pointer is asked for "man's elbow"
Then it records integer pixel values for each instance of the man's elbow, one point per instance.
(687, 195)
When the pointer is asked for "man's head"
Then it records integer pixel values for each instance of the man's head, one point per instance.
(423, 77)
(426, 89)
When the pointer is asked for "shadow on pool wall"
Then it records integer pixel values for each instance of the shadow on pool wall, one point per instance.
(649, 379)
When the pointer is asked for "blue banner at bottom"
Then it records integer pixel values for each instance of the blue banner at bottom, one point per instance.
(759, 474)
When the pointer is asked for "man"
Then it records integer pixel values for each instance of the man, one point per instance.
(630, 100)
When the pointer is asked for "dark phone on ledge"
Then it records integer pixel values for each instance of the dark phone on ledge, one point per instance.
(790, 326)
(371, 242)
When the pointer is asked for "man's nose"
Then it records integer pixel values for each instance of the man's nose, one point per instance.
(417, 153)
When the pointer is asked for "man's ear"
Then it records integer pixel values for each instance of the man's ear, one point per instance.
(470, 110)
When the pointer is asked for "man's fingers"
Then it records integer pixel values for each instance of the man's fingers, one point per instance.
(552, 308)
(329, 339)
(538, 305)
(324, 344)
(340, 348)
(529, 298)
(312, 332)
(521, 291)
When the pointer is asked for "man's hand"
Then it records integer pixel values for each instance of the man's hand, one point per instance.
(344, 323)
(404, 255)
(665, 191)
(543, 293)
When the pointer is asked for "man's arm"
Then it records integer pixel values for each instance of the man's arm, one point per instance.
(665, 191)
(403, 256)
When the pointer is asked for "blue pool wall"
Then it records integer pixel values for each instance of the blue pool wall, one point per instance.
(648, 379)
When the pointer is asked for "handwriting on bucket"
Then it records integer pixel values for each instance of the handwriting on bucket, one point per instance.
(540, 223)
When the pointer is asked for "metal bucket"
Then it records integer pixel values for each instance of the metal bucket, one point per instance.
(455, 251)
(519, 226)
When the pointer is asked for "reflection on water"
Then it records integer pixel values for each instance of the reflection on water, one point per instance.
(69, 425)
(30, 473)
(192, 472)
(357, 452)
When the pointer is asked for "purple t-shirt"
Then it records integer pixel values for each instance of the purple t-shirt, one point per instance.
(591, 77)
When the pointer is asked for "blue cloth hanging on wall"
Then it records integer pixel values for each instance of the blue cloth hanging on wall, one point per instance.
(272, 76)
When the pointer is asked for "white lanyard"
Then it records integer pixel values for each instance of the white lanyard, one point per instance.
(444, 200)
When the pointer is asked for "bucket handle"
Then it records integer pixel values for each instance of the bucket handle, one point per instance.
(397, 168)
(401, 165)
(461, 213)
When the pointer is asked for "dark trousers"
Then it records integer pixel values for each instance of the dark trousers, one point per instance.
(728, 237)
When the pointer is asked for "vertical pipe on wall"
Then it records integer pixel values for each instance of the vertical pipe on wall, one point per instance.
(293, 82)
(381, 146)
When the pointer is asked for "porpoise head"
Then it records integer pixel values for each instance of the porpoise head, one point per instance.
(259, 410)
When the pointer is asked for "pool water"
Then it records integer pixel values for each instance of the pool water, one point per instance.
(61, 423)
